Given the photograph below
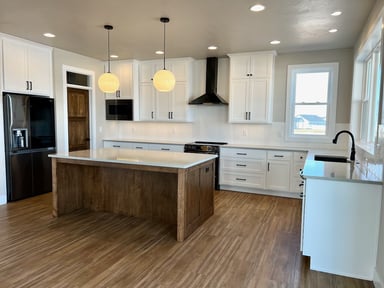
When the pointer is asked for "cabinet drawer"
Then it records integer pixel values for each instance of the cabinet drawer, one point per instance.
(138, 145)
(243, 153)
(279, 155)
(297, 184)
(256, 180)
(299, 156)
(117, 144)
(167, 147)
(243, 164)
(297, 167)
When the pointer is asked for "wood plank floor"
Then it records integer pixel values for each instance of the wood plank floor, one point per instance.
(251, 241)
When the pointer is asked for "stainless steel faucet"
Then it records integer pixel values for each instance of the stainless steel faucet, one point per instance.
(353, 151)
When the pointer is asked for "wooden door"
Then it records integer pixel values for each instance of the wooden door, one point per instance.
(78, 119)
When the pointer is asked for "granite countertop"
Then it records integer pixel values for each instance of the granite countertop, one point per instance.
(138, 157)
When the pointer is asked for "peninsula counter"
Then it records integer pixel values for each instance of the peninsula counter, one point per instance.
(170, 187)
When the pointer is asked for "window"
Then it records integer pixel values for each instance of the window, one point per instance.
(370, 97)
(311, 101)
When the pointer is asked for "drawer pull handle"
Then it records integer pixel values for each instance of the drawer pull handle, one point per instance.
(138, 147)
(241, 179)
(165, 149)
(241, 165)
(278, 156)
(116, 146)
(243, 154)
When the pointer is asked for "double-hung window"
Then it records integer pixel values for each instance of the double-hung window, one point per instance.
(370, 97)
(311, 102)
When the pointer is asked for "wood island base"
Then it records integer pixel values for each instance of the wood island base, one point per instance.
(180, 197)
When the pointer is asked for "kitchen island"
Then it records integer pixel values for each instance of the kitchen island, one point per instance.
(169, 187)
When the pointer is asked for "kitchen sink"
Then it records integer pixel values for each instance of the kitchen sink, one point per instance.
(331, 158)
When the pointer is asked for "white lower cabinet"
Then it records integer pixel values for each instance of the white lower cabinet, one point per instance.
(340, 229)
(279, 170)
(242, 167)
(261, 171)
(143, 146)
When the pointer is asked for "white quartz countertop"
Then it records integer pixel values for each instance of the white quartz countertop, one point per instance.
(139, 157)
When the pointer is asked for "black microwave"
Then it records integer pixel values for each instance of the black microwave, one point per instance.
(119, 109)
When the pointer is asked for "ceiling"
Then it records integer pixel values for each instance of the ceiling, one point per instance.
(300, 25)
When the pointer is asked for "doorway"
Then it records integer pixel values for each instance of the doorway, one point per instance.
(78, 119)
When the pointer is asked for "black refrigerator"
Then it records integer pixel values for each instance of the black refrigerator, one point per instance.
(29, 127)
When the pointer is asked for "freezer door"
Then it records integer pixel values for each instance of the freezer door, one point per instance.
(42, 122)
(20, 185)
(42, 172)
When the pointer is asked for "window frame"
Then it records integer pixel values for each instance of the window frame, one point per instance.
(333, 69)
(370, 100)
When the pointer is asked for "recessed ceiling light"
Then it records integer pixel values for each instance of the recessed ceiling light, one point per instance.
(159, 52)
(114, 56)
(275, 42)
(257, 8)
(49, 35)
(212, 47)
(337, 13)
(334, 30)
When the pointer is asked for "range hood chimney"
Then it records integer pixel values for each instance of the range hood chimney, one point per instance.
(210, 96)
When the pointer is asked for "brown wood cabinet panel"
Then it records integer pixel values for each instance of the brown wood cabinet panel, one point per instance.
(172, 196)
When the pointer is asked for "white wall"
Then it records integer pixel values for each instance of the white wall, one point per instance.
(376, 14)
(61, 58)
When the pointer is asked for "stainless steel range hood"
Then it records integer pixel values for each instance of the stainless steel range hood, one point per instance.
(210, 96)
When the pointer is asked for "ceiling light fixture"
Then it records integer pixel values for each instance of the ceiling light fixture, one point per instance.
(114, 56)
(108, 82)
(159, 52)
(49, 35)
(257, 8)
(334, 30)
(212, 47)
(337, 13)
(164, 80)
(275, 42)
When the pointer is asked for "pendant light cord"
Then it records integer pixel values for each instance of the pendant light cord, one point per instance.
(109, 60)
(164, 46)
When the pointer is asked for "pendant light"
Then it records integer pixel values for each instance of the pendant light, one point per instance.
(164, 80)
(108, 82)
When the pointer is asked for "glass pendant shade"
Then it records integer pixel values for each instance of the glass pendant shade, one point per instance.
(164, 80)
(108, 82)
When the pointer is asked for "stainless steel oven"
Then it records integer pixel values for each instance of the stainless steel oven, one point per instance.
(205, 147)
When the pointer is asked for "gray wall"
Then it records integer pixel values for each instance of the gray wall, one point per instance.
(345, 59)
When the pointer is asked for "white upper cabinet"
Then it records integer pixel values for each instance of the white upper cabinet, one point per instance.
(127, 72)
(165, 106)
(27, 68)
(251, 87)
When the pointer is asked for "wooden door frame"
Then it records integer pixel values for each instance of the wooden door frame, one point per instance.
(92, 103)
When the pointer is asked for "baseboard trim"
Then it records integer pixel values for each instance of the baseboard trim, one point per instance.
(378, 280)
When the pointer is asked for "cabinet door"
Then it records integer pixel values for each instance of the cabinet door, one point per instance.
(239, 67)
(147, 102)
(163, 103)
(179, 102)
(278, 175)
(238, 100)
(146, 72)
(40, 70)
(261, 65)
(15, 66)
(124, 71)
(258, 102)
